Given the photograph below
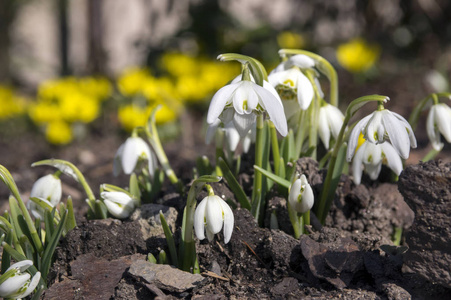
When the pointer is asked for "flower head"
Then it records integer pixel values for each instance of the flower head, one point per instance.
(129, 153)
(241, 101)
(19, 284)
(291, 83)
(371, 156)
(301, 195)
(119, 204)
(330, 121)
(381, 126)
(439, 121)
(47, 189)
(210, 216)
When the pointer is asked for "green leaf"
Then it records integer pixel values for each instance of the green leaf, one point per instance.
(282, 181)
(169, 240)
(50, 248)
(6, 257)
(234, 185)
(134, 187)
(162, 258)
(151, 258)
(71, 223)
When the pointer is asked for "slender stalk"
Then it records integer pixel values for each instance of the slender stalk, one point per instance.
(257, 187)
(327, 193)
(430, 155)
(275, 148)
(302, 130)
(397, 235)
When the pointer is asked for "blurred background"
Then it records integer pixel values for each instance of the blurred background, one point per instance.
(77, 76)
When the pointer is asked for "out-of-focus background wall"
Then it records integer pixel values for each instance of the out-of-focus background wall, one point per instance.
(42, 39)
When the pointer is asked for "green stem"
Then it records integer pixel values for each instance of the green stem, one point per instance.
(324, 66)
(295, 221)
(219, 141)
(430, 155)
(397, 235)
(327, 193)
(257, 187)
(415, 115)
(275, 148)
(302, 130)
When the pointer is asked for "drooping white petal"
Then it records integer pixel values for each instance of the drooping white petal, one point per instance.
(373, 170)
(211, 131)
(227, 115)
(239, 99)
(119, 204)
(394, 162)
(117, 163)
(354, 137)
(134, 148)
(373, 154)
(243, 123)
(301, 195)
(274, 108)
(210, 235)
(10, 287)
(335, 118)
(357, 163)
(213, 214)
(302, 61)
(276, 78)
(443, 120)
(374, 130)
(397, 134)
(323, 127)
(21, 265)
(232, 136)
(228, 221)
(49, 188)
(199, 219)
(219, 101)
(413, 140)
(305, 91)
(432, 130)
(31, 286)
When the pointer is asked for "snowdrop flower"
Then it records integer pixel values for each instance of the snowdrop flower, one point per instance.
(380, 126)
(48, 189)
(241, 101)
(301, 195)
(288, 79)
(129, 153)
(330, 121)
(371, 156)
(439, 121)
(119, 204)
(210, 216)
(19, 284)
(231, 134)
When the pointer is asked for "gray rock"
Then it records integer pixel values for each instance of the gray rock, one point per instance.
(148, 217)
(165, 277)
(426, 188)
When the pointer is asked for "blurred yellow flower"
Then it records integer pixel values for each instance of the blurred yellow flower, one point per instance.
(58, 133)
(11, 105)
(131, 116)
(179, 64)
(131, 81)
(290, 40)
(44, 112)
(357, 55)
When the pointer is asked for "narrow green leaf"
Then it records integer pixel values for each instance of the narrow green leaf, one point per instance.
(49, 226)
(71, 223)
(50, 248)
(134, 187)
(6, 256)
(162, 258)
(169, 240)
(234, 185)
(151, 258)
(101, 211)
(282, 181)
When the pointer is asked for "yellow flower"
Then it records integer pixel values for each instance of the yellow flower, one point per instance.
(290, 40)
(44, 112)
(11, 105)
(165, 115)
(97, 87)
(58, 133)
(131, 116)
(179, 64)
(79, 107)
(132, 81)
(357, 55)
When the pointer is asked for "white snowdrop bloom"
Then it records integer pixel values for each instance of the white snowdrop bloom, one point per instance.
(371, 156)
(19, 284)
(211, 215)
(330, 121)
(129, 153)
(291, 83)
(380, 126)
(300, 195)
(38, 211)
(241, 101)
(119, 204)
(49, 188)
(231, 134)
(439, 122)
